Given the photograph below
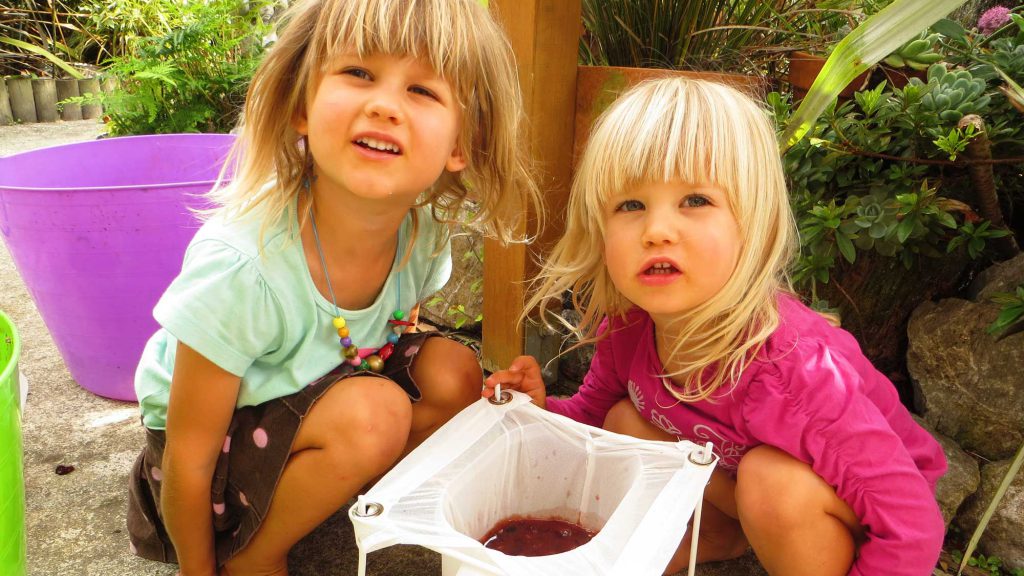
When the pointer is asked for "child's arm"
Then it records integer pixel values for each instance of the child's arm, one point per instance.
(522, 375)
(202, 402)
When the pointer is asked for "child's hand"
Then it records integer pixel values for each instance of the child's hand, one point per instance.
(522, 375)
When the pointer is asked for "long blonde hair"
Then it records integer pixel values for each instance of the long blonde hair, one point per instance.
(461, 42)
(699, 132)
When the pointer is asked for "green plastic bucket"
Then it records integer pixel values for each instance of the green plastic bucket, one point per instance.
(12, 482)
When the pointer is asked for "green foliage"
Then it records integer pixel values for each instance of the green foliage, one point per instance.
(1011, 312)
(39, 37)
(192, 79)
(975, 238)
(729, 34)
(879, 173)
(917, 54)
(121, 23)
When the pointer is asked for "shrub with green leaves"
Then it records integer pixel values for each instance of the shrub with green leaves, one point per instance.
(192, 79)
(885, 173)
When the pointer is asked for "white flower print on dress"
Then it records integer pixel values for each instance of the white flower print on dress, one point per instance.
(663, 422)
(728, 451)
(636, 395)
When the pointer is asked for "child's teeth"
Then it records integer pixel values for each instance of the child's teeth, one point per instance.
(378, 145)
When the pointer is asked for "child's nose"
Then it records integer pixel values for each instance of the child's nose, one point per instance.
(385, 106)
(659, 230)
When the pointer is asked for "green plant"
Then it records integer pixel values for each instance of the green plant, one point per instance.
(917, 54)
(885, 173)
(730, 34)
(871, 41)
(120, 23)
(38, 34)
(190, 80)
(1011, 312)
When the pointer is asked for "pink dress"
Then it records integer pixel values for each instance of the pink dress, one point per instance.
(809, 392)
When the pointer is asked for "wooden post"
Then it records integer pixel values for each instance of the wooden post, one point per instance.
(23, 104)
(44, 91)
(545, 37)
(68, 88)
(6, 116)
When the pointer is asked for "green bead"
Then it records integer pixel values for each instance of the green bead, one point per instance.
(364, 365)
(398, 315)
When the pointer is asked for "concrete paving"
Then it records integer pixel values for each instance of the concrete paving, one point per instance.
(75, 521)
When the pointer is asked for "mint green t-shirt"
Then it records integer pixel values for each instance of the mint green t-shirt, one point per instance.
(261, 318)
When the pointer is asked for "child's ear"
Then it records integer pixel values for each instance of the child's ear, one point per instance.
(456, 161)
(300, 123)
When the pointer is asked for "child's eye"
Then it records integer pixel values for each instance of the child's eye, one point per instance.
(629, 206)
(358, 73)
(696, 201)
(423, 92)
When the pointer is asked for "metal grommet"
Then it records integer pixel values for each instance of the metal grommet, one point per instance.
(702, 462)
(504, 397)
(371, 509)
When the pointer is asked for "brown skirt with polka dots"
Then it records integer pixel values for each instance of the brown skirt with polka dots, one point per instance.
(256, 449)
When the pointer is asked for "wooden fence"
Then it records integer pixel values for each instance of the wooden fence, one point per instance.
(24, 100)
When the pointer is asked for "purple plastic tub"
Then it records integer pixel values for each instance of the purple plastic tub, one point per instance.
(97, 231)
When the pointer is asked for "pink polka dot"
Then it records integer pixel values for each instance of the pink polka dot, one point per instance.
(241, 496)
(411, 350)
(156, 474)
(132, 548)
(259, 436)
(227, 445)
(218, 508)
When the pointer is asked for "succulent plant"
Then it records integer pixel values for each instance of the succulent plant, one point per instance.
(876, 223)
(952, 94)
(918, 53)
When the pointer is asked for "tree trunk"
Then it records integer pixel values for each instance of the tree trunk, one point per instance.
(876, 296)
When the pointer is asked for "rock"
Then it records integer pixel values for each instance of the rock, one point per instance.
(967, 383)
(1001, 277)
(961, 479)
(1004, 536)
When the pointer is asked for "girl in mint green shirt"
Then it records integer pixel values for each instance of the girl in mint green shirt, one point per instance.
(288, 371)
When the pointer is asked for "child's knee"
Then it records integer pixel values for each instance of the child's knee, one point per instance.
(448, 373)
(369, 417)
(773, 486)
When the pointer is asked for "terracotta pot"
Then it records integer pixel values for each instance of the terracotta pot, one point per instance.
(598, 86)
(804, 69)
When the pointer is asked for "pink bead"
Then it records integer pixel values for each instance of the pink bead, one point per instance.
(356, 361)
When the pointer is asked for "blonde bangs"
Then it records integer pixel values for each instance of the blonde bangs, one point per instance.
(430, 29)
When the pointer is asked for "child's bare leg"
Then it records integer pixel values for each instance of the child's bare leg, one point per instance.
(793, 519)
(720, 535)
(353, 433)
(449, 378)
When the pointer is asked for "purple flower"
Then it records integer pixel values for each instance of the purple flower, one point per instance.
(993, 19)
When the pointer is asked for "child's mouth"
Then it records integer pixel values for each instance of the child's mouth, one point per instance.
(661, 269)
(378, 145)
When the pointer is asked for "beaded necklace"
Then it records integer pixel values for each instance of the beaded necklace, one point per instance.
(372, 362)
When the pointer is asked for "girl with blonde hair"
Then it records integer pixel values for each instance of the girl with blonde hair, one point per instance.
(678, 237)
(288, 372)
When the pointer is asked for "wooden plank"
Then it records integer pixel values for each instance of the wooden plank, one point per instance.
(544, 36)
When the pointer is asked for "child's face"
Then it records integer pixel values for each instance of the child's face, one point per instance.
(670, 246)
(381, 127)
